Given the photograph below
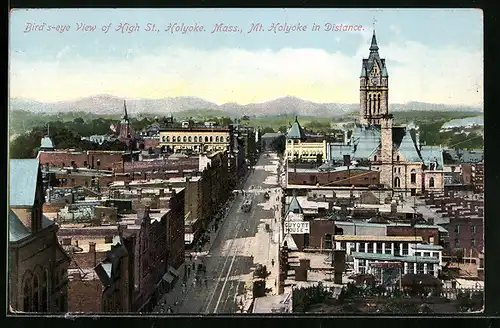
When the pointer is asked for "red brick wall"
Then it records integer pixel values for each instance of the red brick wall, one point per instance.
(86, 260)
(57, 159)
(345, 178)
(84, 296)
(175, 230)
(318, 230)
(409, 231)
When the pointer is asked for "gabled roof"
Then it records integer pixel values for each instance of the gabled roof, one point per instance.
(23, 180)
(366, 141)
(432, 154)
(295, 206)
(373, 58)
(408, 148)
(296, 131)
(17, 230)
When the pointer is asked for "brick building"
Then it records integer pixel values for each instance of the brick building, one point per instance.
(341, 176)
(37, 264)
(93, 159)
(114, 274)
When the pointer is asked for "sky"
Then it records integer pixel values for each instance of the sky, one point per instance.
(432, 55)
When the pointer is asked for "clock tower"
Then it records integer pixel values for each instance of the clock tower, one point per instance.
(373, 87)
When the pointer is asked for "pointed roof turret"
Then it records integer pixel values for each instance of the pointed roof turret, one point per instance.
(294, 206)
(296, 131)
(374, 46)
(125, 114)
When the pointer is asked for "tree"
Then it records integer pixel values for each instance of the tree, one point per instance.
(267, 129)
(283, 129)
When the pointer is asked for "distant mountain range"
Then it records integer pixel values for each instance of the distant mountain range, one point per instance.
(111, 105)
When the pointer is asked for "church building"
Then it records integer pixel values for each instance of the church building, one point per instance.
(405, 165)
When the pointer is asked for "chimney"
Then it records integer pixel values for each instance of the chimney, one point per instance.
(66, 241)
(91, 247)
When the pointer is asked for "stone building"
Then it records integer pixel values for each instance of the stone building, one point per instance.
(301, 147)
(197, 139)
(37, 263)
(405, 165)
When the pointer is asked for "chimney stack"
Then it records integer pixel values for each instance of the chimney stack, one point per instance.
(91, 247)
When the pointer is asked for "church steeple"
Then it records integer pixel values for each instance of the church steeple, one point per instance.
(374, 46)
(125, 114)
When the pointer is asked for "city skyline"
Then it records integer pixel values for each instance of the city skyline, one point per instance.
(424, 65)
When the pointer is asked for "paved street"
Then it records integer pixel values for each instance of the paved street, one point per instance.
(242, 242)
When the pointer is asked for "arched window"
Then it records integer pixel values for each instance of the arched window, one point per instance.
(27, 294)
(399, 170)
(378, 105)
(369, 104)
(413, 178)
(431, 182)
(397, 158)
(168, 139)
(206, 139)
(45, 291)
(375, 158)
(211, 139)
(395, 170)
(185, 139)
(164, 138)
(36, 286)
(200, 139)
(397, 182)
(195, 139)
(217, 139)
(189, 138)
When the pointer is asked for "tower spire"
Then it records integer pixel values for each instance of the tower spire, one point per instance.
(374, 46)
(125, 115)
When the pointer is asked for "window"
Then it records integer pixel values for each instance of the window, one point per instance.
(435, 254)
(195, 139)
(405, 249)
(430, 269)
(399, 170)
(431, 182)
(343, 245)
(411, 267)
(457, 243)
(27, 295)
(227, 139)
(189, 138)
(413, 178)
(35, 294)
(379, 248)
(45, 291)
(397, 158)
(388, 248)
(457, 229)
(473, 242)
(85, 164)
(185, 139)
(397, 182)
(328, 241)
(427, 254)
(216, 139)
(473, 228)
(432, 166)
(397, 248)
(395, 170)
(206, 139)
(375, 158)
(211, 139)
(306, 240)
(420, 268)
(370, 248)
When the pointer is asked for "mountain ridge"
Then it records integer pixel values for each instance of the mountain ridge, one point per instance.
(109, 104)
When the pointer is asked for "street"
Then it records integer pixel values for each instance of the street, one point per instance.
(242, 242)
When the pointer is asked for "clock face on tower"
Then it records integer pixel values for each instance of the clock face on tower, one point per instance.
(375, 81)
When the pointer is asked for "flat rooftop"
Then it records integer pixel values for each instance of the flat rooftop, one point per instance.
(378, 238)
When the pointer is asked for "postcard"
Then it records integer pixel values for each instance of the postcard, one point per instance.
(235, 161)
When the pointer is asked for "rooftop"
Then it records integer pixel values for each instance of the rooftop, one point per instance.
(390, 257)
(23, 180)
(378, 238)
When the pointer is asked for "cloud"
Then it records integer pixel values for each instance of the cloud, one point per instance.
(395, 29)
(448, 75)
